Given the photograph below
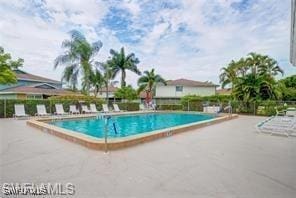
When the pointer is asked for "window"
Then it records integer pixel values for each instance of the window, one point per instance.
(179, 88)
(31, 96)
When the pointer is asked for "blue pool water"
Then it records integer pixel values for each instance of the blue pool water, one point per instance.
(127, 125)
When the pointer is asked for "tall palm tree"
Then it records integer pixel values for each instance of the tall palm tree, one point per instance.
(228, 75)
(120, 62)
(97, 81)
(254, 61)
(107, 77)
(270, 67)
(78, 59)
(148, 83)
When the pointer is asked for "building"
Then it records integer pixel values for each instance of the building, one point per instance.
(223, 91)
(103, 92)
(30, 86)
(293, 33)
(175, 89)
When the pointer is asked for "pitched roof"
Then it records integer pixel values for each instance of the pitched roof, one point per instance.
(223, 91)
(21, 75)
(110, 89)
(35, 90)
(190, 83)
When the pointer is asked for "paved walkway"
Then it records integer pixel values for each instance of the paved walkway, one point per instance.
(224, 160)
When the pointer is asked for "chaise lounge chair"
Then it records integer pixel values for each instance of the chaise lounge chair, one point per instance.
(105, 108)
(281, 125)
(73, 110)
(60, 110)
(19, 110)
(85, 109)
(142, 107)
(41, 110)
(93, 108)
(291, 112)
(116, 108)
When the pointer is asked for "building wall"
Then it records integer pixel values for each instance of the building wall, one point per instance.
(8, 96)
(103, 94)
(170, 91)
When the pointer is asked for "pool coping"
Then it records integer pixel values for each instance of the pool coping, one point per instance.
(122, 142)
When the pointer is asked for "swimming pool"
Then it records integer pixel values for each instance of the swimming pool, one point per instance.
(128, 125)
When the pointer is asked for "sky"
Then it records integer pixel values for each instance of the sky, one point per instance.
(190, 39)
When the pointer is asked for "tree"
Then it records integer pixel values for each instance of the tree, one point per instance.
(120, 62)
(252, 78)
(127, 93)
(288, 88)
(7, 65)
(148, 83)
(96, 81)
(107, 77)
(78, 59)
(228, 76)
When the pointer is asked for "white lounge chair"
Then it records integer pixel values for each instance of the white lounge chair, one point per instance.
(19, 111)
(73, 110)
(85, 109)
(116, 108)
(41, 110)
(105, 108)
(93, 108)
(142, 107)
(60, 110)
(291, 112)
(278, 125)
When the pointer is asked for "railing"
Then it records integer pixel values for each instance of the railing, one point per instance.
(265, 108)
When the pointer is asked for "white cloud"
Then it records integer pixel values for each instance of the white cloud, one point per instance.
(214, 34)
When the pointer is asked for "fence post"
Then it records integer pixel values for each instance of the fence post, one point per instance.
(4, 108)
(254, 107)
(188, 105)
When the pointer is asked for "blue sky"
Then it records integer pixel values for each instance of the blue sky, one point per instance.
(179, 38)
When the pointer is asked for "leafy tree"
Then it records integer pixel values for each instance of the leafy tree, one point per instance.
(127, 93)
(107, 77)
(288, 88)
(252, 78)
(7, 65)
(97, 80)
(120, 62)
(148, 83)
(78, 58)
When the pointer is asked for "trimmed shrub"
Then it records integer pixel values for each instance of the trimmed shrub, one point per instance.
(172, 107)
(129, 106)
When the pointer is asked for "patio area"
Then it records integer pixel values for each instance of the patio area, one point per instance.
(223, 160)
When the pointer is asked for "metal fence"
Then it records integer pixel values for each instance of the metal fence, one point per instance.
(264, 108)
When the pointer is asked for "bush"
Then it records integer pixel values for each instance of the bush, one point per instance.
(127, 93)
(172, 107)
(129, 106)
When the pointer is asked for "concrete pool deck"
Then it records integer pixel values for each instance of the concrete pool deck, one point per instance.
(227, 159)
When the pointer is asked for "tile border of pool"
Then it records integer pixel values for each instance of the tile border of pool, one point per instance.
(123, 142)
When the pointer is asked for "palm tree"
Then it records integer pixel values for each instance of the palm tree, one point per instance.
(148, 83)
(107, 77)
(97, 81)
(270, 67)
(78, 59)
(228, 76)
(120, 62)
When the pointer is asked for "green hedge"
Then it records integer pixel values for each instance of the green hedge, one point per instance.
(128, 106)
(1, 108)
(172, 107)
